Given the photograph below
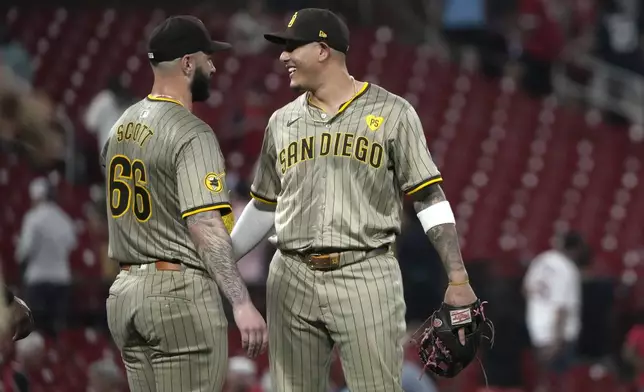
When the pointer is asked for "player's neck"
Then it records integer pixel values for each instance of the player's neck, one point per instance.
(167, 89)
(335, 91)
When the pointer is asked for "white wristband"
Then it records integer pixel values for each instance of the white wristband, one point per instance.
(437, 214)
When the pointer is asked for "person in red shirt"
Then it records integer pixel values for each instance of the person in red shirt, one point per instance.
(633, 351)
(542, 41)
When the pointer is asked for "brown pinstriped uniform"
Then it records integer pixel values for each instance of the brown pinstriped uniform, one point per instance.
(162, 165)
(338, 182)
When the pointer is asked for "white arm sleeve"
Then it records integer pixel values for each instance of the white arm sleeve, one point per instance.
(253, 225)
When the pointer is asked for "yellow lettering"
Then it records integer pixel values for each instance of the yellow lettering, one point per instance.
(362, 147)
(307, 148)
(344, 145)
(325, 144)
(292, 154)
(336, 144)
(375, 158)
(148, 134)
(137, 131)
(283, 161)
(128, 131)
(347, 142)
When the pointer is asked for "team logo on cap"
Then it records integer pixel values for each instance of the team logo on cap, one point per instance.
(292, 20)
(213, 182)
(374, 122)
(322, 34)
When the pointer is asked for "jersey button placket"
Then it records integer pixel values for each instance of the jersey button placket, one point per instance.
(323, 192)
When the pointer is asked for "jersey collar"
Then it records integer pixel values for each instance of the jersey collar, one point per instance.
(163, 99)
(363, 89)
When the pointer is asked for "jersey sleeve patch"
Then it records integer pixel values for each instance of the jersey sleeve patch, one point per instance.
(214, 182)
(225, 207)
(415, 188)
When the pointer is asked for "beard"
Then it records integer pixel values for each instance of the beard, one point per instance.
(200, 86)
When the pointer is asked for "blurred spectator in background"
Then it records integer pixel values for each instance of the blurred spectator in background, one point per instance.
(464, 25)
(552, 287)
(619, 43)
(29, 126)
(46, 241)
(247, 27)
(105, 109)
(105, 376)
(242, 376)
(542, 39)
(619, 34)
(14, 56)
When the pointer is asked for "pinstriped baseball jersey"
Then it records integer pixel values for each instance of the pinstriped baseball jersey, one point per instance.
(162, 164)
(338, 180)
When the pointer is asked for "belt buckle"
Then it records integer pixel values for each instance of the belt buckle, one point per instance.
(334, 261)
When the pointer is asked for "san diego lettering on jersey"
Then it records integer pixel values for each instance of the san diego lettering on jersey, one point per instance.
(338, 144)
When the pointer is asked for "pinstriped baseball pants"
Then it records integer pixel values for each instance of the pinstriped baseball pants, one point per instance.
(359, 307)
(170, 328)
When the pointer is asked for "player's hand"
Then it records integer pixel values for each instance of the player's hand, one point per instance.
(252, 326)
(461, 295)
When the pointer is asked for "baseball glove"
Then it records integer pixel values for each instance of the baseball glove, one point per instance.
(438, 343)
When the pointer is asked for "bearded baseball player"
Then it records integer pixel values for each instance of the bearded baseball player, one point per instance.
(169, 226)
(333, 170)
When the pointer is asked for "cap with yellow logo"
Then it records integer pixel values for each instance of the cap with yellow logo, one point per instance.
(314, 25)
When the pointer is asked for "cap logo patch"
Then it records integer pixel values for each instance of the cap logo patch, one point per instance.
(292, 20)
(322, 34)
(374, 122)
(460, 317)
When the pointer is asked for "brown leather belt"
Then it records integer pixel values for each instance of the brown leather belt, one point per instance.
(160, 265)
(332, 261)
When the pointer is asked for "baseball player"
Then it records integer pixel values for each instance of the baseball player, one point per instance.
(169, 226)
(334, 166)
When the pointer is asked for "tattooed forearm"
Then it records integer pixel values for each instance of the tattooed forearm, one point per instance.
(213, 244)
(443, 237)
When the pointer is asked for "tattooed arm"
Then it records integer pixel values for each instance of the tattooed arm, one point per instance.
(214, 246)
(443, 237)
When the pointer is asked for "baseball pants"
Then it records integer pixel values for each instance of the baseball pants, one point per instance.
(359, 307)
(170, 328)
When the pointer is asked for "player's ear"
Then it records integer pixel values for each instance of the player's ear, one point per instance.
(324, 51)
(187, 64)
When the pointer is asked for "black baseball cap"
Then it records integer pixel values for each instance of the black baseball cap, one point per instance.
(314, 25)
(180, 35)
